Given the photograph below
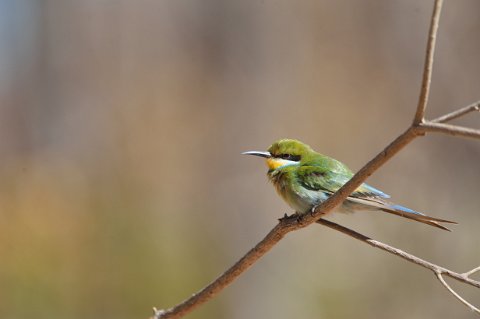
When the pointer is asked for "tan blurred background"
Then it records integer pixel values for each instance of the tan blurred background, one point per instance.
(122, 184)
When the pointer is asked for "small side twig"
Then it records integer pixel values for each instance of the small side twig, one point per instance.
(475, 107)
(471, 272)
(453, 130)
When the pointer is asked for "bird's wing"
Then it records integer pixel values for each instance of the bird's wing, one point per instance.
(323, 178)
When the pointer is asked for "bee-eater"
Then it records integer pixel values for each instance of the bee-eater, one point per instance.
(305, 178)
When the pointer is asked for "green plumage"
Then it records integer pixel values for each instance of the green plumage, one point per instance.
(316, 171)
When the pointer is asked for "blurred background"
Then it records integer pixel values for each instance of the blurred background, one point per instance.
(122, 184)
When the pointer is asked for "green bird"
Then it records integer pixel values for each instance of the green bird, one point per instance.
(305, 178)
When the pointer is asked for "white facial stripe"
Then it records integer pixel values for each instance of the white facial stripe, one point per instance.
(283, 162)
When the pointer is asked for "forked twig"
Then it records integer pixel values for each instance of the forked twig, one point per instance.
(453, 292)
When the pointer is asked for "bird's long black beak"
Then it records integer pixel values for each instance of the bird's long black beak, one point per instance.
(256, 153)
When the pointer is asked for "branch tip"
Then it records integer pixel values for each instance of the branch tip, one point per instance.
(428, 64)
(474, 107)
(471, 272)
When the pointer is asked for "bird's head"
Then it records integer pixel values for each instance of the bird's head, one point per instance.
(284, 152)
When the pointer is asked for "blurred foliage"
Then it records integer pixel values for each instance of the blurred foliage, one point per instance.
(121, 125)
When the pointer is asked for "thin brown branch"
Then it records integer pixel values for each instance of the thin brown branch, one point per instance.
(475, 107)
(400, 253)
(428, 65)
(287, 225)
(212, 289)
(449, 129)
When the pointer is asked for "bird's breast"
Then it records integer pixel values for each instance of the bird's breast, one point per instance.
(302, 200)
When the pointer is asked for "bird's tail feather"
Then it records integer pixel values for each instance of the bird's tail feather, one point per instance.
(402, 211)
(432, 221)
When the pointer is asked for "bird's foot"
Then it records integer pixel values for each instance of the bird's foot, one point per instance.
(286, 217)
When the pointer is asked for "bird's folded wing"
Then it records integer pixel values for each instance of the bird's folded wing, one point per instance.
(321, 178)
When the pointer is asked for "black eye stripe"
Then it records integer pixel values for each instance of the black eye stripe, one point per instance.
(289, 157)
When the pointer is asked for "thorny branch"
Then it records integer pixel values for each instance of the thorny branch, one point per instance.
(419, 127)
